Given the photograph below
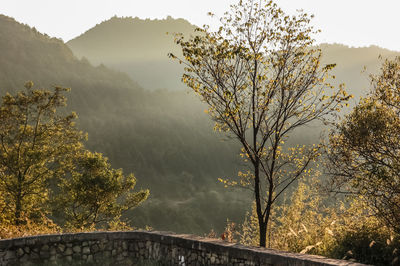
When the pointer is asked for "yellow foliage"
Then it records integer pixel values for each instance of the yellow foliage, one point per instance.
(308, 224)
(28, 227)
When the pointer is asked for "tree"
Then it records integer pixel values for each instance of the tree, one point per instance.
(364, 149)
(261, 79)
(302, 224)
(95, 193)
(313, 223)
(35, 142)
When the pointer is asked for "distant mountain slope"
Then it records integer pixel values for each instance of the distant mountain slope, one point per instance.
(163, 137)
(137, 47)
(144, 39)
(30, 55)
(140, 47)
(350, 63)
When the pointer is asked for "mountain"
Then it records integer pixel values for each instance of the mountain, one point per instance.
(163, 137)
(31, 55)
(353, 65)
(137, 47)
(140, 47)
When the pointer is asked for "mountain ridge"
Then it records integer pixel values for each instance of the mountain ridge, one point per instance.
(163, 137)
(158, 71)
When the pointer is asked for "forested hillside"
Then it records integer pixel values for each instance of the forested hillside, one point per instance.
(140, 47)
(353, 65)
(137, 47)
(163, 137)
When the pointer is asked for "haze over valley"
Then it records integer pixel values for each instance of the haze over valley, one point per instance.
(129, 98)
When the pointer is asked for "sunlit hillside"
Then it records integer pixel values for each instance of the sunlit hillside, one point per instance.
(137, 47)
(140, 47)
(163, 137)
(249, 132)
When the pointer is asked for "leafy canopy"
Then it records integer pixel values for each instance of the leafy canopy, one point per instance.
(262, 79)
(43, 164)
(364, 149)
(96, 194)
(36, 143)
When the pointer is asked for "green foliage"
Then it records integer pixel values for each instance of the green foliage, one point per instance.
(162, 136)
(39, 148)
(364, 149)
(36, 143)
(96, 194)
(262, 79)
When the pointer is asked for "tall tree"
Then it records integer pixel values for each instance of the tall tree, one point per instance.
(35, 144)
(364, 149)
(262, 79)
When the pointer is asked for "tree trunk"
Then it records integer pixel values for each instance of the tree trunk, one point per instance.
(263, 234)
(261, 224)
(18, 210)
(18, 200)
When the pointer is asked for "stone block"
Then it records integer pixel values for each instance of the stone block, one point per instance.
(76, 249)
(53, 239)
(86, 250)
(53, 257)
(95, 248)
(20, 252)
(27, 250)
(124, 245)
(44, 254)
(98, 257)
(53, 251)
(34, 256)
(10, 255)
(30, 242)
(148, 244)
(68, 251)
(61, 247)
(25, 258)
(109, 246)
(193, 256)
(76, 256)
(132, 247)
(19, 242)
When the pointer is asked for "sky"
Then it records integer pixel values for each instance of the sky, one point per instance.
(355, 23)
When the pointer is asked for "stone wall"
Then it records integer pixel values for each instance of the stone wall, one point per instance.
(143, 248)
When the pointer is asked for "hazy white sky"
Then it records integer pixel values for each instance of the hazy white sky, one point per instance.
(351, 22)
